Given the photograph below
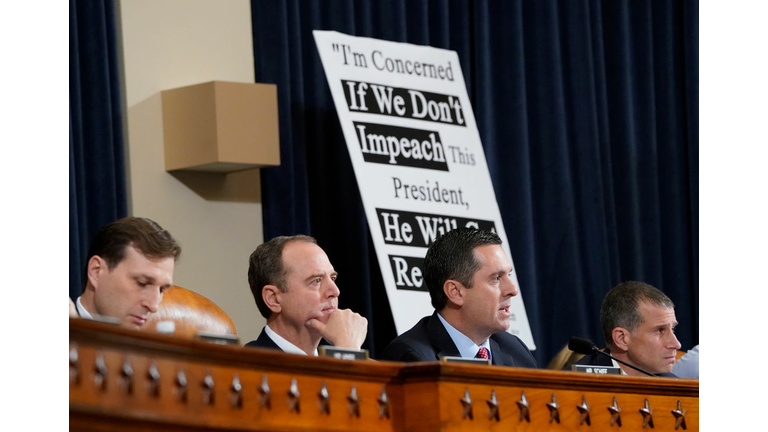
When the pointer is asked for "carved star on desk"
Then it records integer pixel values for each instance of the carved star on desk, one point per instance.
(466, 403)
(493, 406)
(679, 414)
(383, 403)
(615, 411)
(524, 408)
(237, 392)
(126, 372)
(74, 365)
(354, 402)
(208, 389)
(264, 393)
(100, 378)
(647, 413)
(153, 375)
(554, 410)
(325, 398)
(293, 396)
(583, 411)
(181, 385)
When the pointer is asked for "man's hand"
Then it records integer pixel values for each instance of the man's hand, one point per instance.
(344, 329)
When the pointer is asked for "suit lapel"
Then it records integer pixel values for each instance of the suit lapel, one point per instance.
(265, 341)
(498, 357)
(440, 339)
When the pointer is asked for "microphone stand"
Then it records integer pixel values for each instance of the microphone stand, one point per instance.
(596, 350)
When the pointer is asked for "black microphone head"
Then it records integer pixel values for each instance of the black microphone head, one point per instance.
(581, 345)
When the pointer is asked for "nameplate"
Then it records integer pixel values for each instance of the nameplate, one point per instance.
(455, 359)
(599, 370)
(342, 353)
(219, 338)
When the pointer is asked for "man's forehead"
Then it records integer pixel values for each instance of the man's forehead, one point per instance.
(153, 279)
(161, 274)
(305, 257)
(132, 253)
(656, 314)
(491, 254)
(136, 264)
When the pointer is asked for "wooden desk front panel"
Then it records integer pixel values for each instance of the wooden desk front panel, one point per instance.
(118, 406)
(570, 418)
(434, 393)
(421, 396)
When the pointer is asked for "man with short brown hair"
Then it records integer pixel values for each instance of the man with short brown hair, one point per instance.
(638, 323)
(129, 267)
(467, 273)
(294, 286)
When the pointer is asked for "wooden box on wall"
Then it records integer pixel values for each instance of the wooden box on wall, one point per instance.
(221, 126)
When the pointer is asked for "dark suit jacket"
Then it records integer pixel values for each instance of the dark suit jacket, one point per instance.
(601, 360)
(264, 341)
(428, 340)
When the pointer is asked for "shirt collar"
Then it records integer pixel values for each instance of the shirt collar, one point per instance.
(467, 348)
(284, 344)
(81, 310)
(614, 362)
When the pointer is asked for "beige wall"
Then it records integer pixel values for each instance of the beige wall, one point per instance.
(172, 43)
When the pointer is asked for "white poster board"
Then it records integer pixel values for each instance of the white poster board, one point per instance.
(412, 137)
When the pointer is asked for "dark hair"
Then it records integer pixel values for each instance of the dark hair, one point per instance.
(265, 267)
(145, 235)
(621, 306)
(452, 256)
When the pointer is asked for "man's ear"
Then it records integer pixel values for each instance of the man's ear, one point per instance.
(621, 338)
(454, 290)
(95, 267)
(271, 296)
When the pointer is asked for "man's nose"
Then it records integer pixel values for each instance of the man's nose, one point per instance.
(152, 300)
(509, 289)
(674, 343)
(333, 290)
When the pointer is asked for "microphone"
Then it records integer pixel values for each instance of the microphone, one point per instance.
(586, 347)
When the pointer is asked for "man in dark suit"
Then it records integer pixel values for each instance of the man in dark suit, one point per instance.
(294, 286)
(467, 274)
(638, 323)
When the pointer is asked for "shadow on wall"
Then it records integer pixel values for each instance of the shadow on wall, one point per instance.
(240, 186)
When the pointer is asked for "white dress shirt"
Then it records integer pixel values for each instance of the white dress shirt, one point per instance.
(467, 348)
(284, 344)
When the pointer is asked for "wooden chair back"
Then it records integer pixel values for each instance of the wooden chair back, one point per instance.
(192, 313)
(564, 358)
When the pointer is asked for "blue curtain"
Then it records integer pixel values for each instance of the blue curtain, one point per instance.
(97, 192)
(588, 114)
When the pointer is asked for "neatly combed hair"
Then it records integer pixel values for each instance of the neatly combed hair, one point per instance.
(621, 306)
(452, 256)
(145, 235)
(265, 267)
